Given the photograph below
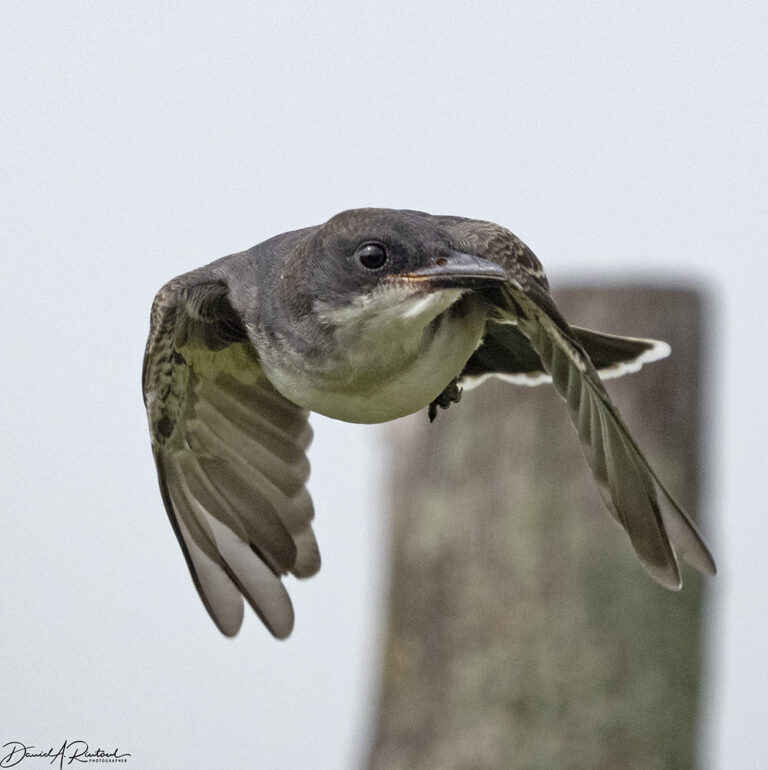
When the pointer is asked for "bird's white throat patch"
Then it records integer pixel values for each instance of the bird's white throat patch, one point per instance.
(389, 304)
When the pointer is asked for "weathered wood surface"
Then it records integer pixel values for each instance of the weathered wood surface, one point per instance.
(522, 631)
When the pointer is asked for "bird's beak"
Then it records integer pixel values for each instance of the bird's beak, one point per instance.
(456, 270)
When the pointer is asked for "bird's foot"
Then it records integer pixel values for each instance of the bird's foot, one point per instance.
(451, 395)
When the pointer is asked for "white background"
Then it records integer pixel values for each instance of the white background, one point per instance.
(139, 140)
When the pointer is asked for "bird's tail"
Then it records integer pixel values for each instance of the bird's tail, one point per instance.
(507, 353)
(613, 356)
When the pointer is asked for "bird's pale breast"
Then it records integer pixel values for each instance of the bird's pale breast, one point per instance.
(392, 359)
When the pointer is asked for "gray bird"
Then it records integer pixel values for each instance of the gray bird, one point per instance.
(373, 315)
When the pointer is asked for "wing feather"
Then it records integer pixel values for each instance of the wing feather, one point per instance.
(230, 452)
(217, 426)
(220, 595)
(629, 487)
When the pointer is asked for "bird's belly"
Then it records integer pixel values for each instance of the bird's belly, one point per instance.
(403, 392)
(381, 381)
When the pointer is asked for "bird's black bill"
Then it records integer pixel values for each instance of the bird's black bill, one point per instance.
(457, 270)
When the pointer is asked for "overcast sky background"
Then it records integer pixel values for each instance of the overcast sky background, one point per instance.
(140, 140)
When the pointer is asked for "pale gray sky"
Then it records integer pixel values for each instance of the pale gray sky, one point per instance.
(140, 140)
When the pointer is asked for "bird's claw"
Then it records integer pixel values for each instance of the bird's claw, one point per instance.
(451, 395)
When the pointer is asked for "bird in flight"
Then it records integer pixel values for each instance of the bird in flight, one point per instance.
(375, 314)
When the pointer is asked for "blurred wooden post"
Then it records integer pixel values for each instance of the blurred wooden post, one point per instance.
(522, 631)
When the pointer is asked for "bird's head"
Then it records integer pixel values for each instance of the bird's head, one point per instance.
(375, 259)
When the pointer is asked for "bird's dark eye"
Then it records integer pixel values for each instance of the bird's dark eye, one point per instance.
(371, 255)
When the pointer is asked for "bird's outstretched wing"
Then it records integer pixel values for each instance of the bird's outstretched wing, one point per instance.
(630, 488)
(230, 455)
